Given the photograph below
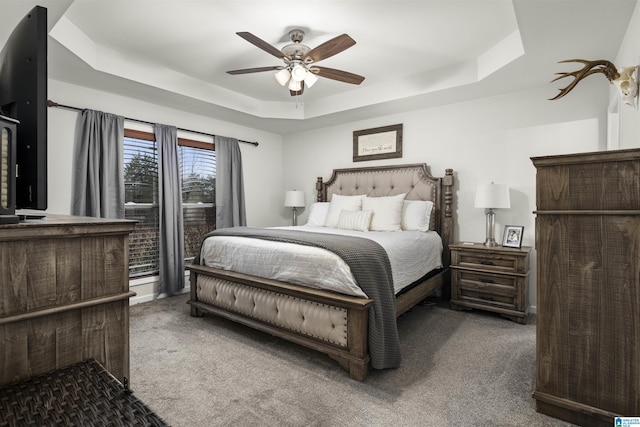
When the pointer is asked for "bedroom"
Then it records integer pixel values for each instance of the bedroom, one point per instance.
(464, 130)
(490, 137)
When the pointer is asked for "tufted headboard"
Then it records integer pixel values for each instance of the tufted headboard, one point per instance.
(413, 179)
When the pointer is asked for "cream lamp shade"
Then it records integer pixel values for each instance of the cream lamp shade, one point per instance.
(294, 199)
(295, 85)
(492, 196)
(310, 79)
(283, 76)
(298, 73)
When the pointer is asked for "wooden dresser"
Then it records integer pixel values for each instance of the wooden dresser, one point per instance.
(64, 295)
(588, 286)
(492, 278)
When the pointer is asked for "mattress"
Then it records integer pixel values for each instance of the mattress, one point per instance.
(412, 254)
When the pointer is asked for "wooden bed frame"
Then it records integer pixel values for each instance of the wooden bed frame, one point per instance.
(332, 323)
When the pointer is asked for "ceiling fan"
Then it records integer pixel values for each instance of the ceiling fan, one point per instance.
(300, 69)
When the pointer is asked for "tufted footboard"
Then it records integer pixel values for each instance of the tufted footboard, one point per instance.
(327, 322)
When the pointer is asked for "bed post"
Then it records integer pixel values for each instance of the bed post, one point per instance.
(320, 196)
(447, 226)
(193, 291)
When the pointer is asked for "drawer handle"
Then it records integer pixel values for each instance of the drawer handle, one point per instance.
(485, 280)
(485, 262)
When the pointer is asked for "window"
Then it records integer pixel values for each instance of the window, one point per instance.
(141, 204)
(198, 168)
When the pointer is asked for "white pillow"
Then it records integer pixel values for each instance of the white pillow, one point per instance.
(416, 215)
(355, 220)
(340, 203)
(387, 212)
(318, 213)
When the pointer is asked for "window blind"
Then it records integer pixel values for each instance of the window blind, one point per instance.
(141, 204)
(198, 169)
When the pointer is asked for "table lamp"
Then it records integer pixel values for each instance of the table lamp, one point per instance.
(294, 199)
(492, 196)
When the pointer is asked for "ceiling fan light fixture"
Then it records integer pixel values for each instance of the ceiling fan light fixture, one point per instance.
(310, 79)
(283, 76)
(295, 85)
(298, 73)
(299, 60)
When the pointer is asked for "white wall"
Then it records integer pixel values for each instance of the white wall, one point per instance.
(629, 55)
(262, 165)
(490, 139)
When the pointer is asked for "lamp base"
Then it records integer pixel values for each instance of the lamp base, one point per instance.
(490, 240)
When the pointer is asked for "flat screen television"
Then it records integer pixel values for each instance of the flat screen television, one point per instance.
(23, 97)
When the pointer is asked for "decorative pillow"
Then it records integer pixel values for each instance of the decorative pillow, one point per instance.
(318, 213)
(340, 203)
(416, 215)
(355, 220)
(387, 212)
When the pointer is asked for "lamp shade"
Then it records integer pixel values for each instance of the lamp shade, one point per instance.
(283, 76)
(294, 199)
(295, 85)
(493, 196)
(310, 79)
(298, 73)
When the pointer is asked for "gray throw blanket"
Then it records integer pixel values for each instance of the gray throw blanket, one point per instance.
(370, 266)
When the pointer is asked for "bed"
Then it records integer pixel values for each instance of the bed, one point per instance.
(347, 325)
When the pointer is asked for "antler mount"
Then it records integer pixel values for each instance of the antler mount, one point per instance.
(590, 67)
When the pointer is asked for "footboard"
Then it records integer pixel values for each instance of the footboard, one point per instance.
(331, 323)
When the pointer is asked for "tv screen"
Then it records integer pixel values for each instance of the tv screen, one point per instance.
(23, 97)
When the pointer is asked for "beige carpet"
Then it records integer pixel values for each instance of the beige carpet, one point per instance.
(458, 369)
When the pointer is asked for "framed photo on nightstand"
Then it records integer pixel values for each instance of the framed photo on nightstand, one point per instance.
(513, 236)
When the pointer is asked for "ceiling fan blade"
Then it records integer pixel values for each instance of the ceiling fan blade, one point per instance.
(329, 48)
(262, 45)
(253, 70)
(341, 76)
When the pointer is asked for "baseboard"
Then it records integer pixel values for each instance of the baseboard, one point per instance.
(138, 299)
(150, 296)
(146, 289)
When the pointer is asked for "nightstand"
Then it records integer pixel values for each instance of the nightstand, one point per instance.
(491, 278)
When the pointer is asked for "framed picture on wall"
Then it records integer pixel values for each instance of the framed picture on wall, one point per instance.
(513, 236)
(377, 143)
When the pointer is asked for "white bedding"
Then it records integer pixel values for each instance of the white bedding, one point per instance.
(412, 254)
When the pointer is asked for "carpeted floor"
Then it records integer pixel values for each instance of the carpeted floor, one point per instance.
(458, 368)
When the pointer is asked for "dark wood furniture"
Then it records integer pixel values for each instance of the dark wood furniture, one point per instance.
(491, 278)
(64, 295)
(84, 394)
(588, 286)
(253, 300)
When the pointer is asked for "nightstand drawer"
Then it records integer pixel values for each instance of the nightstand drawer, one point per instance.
(492, 278)
(490, 289)
(499, 262)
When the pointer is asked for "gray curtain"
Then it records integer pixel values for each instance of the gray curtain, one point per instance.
(230, 206)
(171, 245)
(98, 171)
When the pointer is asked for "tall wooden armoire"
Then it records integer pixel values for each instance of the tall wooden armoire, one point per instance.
(588, 286)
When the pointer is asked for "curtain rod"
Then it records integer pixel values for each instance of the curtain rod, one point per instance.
(51, 103)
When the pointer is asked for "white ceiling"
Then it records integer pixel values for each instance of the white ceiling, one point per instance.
(412, 54)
